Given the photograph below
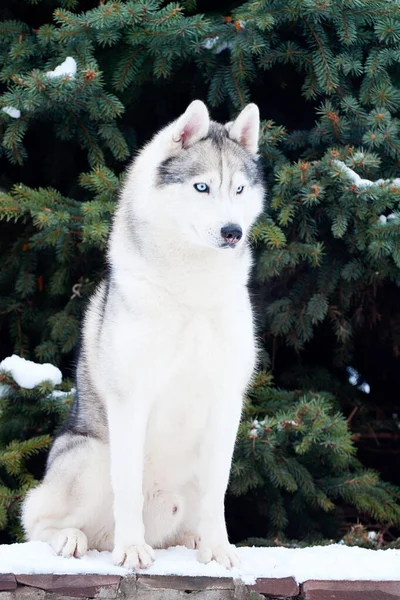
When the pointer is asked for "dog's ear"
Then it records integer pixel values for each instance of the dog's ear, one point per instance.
(245, 129)
(193, 125)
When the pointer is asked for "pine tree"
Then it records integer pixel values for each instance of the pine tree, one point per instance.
(83, 84)
(28, 417)
(295, 460)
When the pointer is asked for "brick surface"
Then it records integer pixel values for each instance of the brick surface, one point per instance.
(351, 590)
(163, 587)
(178, 582)
(81, 586)
(286, 587)
(7, 582)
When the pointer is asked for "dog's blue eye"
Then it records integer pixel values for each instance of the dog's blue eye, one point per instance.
(201, 187)
(240, 189)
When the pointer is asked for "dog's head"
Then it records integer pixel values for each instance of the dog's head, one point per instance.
(200, 181)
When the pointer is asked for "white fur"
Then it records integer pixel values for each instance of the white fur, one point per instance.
(170, 362)
(245, 129)
(192, 125)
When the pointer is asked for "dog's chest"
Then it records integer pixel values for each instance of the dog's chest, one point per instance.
(209, 358)
(210, 348)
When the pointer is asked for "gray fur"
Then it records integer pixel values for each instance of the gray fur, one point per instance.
(64, 442)
(85, 418)
(209, 154)
(104, 298)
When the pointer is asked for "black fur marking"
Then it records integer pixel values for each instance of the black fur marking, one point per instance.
(254, 171)
(174, 170)
(86, 419)
(168, 173)
(194, 161)
(75, 423)
(217, 134)
(74, 440)
(104, 298)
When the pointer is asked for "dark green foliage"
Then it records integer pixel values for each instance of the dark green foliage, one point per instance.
(296, 456)
(332, 241)
(27, 420)
(326, 77)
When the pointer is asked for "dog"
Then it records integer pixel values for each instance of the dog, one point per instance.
(168, 351)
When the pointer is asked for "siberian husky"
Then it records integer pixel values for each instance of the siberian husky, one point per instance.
(168, 350)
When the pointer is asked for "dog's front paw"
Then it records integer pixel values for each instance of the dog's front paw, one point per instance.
(225, 554)
(70, 542)
(138, 556)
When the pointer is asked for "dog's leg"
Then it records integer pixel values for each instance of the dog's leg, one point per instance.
(71, 509)
(214, 472)
(127, 429)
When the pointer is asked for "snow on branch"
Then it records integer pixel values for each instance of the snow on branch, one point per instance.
(28, 374)
(66, 69)
(215, 44)
(11, 111)
(361, 183)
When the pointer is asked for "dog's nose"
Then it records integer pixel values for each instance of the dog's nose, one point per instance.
(232, 233)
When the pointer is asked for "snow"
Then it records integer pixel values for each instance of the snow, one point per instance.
(334, 562)
(214, 43)
(354, 378)
(57, 394)
(353, 375)
(391, 217)
(12, 111)
(66, 69)
(28, 374)
(361, 183)
(365, 387)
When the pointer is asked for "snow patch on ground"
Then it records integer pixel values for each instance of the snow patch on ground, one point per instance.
(28, 374)
(335, 562)
(66, 69)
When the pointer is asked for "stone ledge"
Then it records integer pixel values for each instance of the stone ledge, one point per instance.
(177, 582)
(351, 590)
(7, 582)
(285, 587)
(78, 586)
(174, 587)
